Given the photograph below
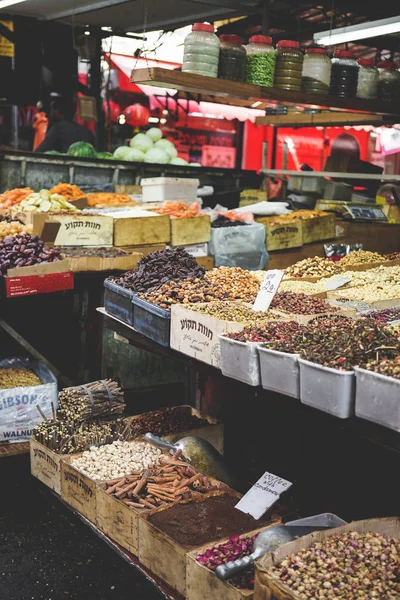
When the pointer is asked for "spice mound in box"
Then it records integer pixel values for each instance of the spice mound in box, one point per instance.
(196, 523)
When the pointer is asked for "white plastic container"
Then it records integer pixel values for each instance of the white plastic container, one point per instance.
(280, 372)
(239, 360)
(378, 398)
(160, 189)
(329, 390)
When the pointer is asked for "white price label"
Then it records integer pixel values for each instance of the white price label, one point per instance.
(268, 288)
(264, 493)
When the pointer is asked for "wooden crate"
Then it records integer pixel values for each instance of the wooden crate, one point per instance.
(46, 465)
(144, 250)
(268, 586)
(192, 230)
(97, 263)
(141, 229)
(77, 489)
(202, 583)
(161, 554)
(282, 235)
(206, 261)
(319, 228)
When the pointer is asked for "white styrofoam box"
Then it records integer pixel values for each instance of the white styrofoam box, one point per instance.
(329, 390)
(159, 189)
(239, 360)
(280, 372)
(378, 398)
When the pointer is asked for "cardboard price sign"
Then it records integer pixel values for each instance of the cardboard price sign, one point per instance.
(7, 47)
(264, 493)
(268, 288)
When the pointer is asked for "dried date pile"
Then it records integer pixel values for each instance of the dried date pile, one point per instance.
(352, 566)
(25, 250)
(301, 304)
(158, 268)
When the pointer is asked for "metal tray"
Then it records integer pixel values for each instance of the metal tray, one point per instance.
(239, 360)
(378, 398)
(280, 372)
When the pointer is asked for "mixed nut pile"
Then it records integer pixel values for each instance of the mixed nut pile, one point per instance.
(186, 291)
(313, 267)
(371, 292)
(235, 283)
(11, 228)
(361, 257)
(102, 252)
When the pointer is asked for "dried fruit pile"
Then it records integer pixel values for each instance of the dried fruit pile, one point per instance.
(68, 191)
(187, 291)
(12, 228)
(313, 267)
(11, 198)
(352, 566)
(179, 209)
(301, 304)
(25, 250)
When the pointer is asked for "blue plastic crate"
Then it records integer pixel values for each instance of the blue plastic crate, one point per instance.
(118, 302)
(152, 321)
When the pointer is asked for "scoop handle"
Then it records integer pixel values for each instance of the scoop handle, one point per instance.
(236, 566)
(157, 441)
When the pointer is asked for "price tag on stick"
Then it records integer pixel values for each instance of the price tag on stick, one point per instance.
(268, 288)
(264, 493)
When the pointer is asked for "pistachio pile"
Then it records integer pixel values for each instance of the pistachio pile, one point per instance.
(234, 312)
(361, 257)
(313, 267)
(352, 566)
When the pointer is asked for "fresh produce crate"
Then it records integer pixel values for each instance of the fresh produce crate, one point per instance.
(203, 584)
(378, 398)
(77, 489)
(142, 228)
(280, 236)
(190, 230)
(329, 390)
(268, 586)
(319, 228)
(45, 465)
(118, 302)
(280, 372)
(152, 321)
(239, 360)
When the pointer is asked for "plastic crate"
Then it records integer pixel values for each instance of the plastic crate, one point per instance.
(152, 321)
(378, 398)
(118, 302)
(239, 360)
(280, 372)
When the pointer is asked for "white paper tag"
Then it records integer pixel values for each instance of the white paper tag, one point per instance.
(264, 493)
(268, 288)
(336, 283)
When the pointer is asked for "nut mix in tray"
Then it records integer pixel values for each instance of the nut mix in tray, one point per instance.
(352, 566)
(313, 267)
(186, 291)
(361, 257)
(236, 283)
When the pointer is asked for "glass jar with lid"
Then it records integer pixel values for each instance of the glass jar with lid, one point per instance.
(201, 51)
(368, 79)
(260, 61)
(344, 74)
(316, 74)
(289, 65)
(389, 81)
(232, 58)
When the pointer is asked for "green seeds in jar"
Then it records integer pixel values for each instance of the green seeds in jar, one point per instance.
(260, 61)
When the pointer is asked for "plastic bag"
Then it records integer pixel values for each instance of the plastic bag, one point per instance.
(18, 406)
(266, 208)
(240, 247)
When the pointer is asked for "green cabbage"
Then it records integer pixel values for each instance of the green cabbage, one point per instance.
(164, 144)
(178, 161)
(156, 155)
(154, 133)
(171, 151)
(134, 155)
(121, 152)
(141, 141)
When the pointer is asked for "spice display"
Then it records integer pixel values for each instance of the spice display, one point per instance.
(389, 81)
(301, 304)
(12, 378)
(46, 202)
(394, 328)
(233, 312)
(344, 74)
(279, 330)
(235, 283)
(24, 250)
(201, 51)
(260, 61)
(102, 398)
(340, 343)
(289, 65)
(236, 547)
(12, 228)
(108, 199)
(361, 257)
(313, 267)
(222, 221)
(157, 268)
(179, 209)
(385, 315)
(187, 291)
(316, 74)
(166, 421)
(68, 191)
(103, 252)
(368, 79)
(392, 256)
(69, 438)
(116, 460)
(351, 566)
(170, 481)
(388, 367)
(11, 198)
(232, 58)
(371, 293)
(197, 523)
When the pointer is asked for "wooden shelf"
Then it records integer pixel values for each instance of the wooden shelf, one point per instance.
(253, 96)
(332, 174)
(325, 118)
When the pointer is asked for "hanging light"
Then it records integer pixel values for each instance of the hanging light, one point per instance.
(362, 31)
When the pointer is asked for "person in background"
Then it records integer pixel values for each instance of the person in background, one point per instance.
(40, 124)
(64, 131)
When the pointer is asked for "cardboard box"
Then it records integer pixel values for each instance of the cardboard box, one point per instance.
(39, 279)
(280, 236)
(77, 489)
(45, 465)
(75, 230)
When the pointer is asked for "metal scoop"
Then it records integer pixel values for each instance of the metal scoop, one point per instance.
(201, 454)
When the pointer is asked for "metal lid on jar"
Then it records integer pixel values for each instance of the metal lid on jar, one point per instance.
(288, 44)
(366, 62)
(316, 50)
(387, 64)
(260, 39)
(203, 27)
(230, 37)
(343, 54)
